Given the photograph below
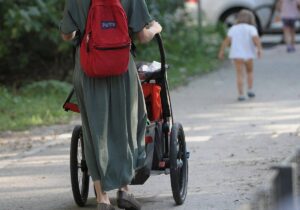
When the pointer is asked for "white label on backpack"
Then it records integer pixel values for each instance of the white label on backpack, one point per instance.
(108, 25)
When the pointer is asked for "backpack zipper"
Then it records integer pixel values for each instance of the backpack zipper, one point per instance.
(113, 48)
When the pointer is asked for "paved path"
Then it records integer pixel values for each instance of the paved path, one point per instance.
(232, 144)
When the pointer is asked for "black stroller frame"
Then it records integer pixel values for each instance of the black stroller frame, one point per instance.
(166, 151)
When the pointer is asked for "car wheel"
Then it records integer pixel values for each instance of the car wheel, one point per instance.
(229, 18)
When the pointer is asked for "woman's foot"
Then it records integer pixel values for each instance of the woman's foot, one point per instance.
(290, 49)
(105, 206)
(103, 198)
(127, 201)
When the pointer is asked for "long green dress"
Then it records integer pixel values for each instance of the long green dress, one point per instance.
(112, 109)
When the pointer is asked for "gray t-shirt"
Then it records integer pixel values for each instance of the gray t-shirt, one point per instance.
(76, 12)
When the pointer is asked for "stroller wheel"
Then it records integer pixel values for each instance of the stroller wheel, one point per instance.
(178, 164)
(78, 168)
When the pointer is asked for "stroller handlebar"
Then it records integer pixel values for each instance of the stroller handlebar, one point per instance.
(161, 52)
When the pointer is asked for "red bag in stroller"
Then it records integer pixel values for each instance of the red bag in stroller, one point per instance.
(153, 100)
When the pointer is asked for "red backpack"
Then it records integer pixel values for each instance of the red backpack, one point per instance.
(105, 47)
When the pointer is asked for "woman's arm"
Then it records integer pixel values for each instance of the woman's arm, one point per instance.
(144, 36)
(224, 45)
(68, 37)
(278, 5)
(147, 33)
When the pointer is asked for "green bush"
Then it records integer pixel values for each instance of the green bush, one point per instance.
(31, 47)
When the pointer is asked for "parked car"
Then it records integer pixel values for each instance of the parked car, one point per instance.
(225, 11)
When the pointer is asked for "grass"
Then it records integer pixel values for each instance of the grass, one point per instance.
(36, 104)
(40, 103)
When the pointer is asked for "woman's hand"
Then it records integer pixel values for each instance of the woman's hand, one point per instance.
(68, 37)
(148, 32)
(155, 27)
(278, 5)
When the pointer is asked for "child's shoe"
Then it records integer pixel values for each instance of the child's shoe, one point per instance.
(251, 94)
(241, 98)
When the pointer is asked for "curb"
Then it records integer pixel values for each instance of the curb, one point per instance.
(282, 191)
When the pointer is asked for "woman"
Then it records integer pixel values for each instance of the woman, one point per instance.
(112, 109)
(289, 12)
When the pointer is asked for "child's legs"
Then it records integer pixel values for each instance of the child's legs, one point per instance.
(249, 70)
(239, 64)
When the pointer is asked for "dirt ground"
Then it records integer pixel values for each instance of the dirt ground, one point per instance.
(232, 144)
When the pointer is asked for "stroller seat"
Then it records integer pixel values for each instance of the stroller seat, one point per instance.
(149, 71)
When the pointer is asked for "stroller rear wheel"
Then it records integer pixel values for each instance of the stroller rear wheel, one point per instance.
(178, 164)
(78, 168)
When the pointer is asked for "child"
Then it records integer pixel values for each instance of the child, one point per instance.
(245, 44)
(289, 12)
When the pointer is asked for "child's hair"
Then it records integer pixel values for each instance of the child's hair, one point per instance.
(246, 16)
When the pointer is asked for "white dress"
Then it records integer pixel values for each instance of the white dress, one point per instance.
(242, 45)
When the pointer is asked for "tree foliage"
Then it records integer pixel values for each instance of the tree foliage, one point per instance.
(30, 44)
(166, 12)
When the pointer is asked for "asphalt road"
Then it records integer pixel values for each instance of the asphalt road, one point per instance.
(232, 144)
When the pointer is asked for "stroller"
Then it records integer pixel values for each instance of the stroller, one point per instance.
(166, 151)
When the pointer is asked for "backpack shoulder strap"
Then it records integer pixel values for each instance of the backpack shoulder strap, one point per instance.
(84, 15)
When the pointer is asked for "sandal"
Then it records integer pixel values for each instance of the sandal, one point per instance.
(127, 201)
(104, 206)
